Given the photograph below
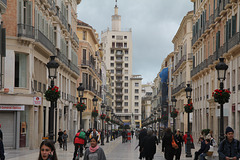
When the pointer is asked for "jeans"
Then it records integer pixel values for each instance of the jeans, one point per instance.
(202, 156)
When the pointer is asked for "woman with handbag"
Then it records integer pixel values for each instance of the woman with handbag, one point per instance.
(167, 147)
(179, 141)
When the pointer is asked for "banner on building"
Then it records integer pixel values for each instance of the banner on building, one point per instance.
(11, 107)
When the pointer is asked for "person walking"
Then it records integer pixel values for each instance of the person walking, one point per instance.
(229, 148)
(60, 140)
(167, 145)
(95, 133)
(142, 135)
(132, 133)
(47, 151)
(94, 152)
(124, 136)
(65, 137)
(2, 156)
(80, 141)
(149, 145)
(185, 140)
(88, 134)
(179, 142)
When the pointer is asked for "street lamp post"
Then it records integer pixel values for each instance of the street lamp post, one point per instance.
(221, 68)
(52, 66)
(80, 90)
(188, 91)
(174, 100)
(159, 125)
(107, 110)
(112, 114)
(102, 135)
(95, 105)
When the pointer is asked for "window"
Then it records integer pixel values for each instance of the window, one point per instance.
(125, 97)
(112, 71)
(118, 110)
(126, 58)
(136, 110)
(136, 90)
(125, 37)
(126, 78)
(125, 110)
(113, 44)
(112, 84)
(136, 84)
(84, 35)
(126, 90)
(136, 117)
(126, 117)
(125, 103)
(112, 51)
(126, 84)
(112, 58)
(112, 64)
(136, 97)
(126, 51)
(136, 104)
(113, 36)
(125, 45)
(126, 65)
(20, 70)
(112, 90)
(112, 77)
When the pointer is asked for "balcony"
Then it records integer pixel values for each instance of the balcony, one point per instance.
(190, 56)
(3, 6)
(216, 14)
(119, 60)
(183, 58)
(86, 63)
(119, 67)
(119, 80)
(234, 40)
(119, 53)
(119, 74)
(119, 87)
(119, 100)
(119, 93)
(75, 38)
(26, 31)
(178, 88)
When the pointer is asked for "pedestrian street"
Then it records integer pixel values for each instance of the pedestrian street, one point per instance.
(114, 150)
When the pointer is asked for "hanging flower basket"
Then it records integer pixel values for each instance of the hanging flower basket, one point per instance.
(107, 119)
(102, 116)
(52, 94)
(221, 96)
(164, 117)
(81, 107)
(159, 119)
(174, 113)
(188, 108)
(95, 113)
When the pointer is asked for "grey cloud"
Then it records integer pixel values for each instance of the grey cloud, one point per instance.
(153, 23)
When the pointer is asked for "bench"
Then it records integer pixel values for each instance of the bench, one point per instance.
(211, 156)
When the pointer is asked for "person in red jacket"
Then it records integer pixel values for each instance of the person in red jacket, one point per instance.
(185, 140)
(79, 142)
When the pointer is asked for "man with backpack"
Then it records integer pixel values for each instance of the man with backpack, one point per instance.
(80, 140)
(229, 148)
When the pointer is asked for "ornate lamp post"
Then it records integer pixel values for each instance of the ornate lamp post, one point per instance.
(112, 114)
(52, 66)
(102, 135)
(80, 90)
(174, 100)
(107, 110)
(95, 105)
(221, 68)
(188, 91)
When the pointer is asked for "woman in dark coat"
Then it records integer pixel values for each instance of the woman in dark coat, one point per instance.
(167, 145)
(149, 146)
(179, 141)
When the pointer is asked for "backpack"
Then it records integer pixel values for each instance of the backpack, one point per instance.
(82, 135)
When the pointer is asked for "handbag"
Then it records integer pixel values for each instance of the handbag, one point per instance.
(174, 144)
(192, 146)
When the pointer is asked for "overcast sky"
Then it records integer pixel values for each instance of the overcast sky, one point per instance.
(154, 24)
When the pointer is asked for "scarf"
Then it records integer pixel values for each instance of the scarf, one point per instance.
(93, 149)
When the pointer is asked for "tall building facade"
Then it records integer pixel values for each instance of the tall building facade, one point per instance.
(35, 31)
(146, 100)
(89, 61)
(126, 88)
(181, 68)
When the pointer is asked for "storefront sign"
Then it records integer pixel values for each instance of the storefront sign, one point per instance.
(11, 108)
(37, 101)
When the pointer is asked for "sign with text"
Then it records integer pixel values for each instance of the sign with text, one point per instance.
(37, 101)
(11, 107)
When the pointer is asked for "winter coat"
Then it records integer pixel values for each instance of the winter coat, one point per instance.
(142, 134)
(149, 146)
(78, 140)
(98, 155)
(203, 147)
(167, 146)
(227, 149)
(2, 156)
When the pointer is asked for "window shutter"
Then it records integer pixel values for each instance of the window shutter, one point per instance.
(35, 18)
(226, 32)
(233, 25)
(20, 9)
(29, 13)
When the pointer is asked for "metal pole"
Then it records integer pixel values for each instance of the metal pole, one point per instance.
(174, 127)
(111, 133)
(189, 154)
(102, 136)
(51, 116)
(80, 127)
(107, 134)
(221, 137)
(56, 121)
